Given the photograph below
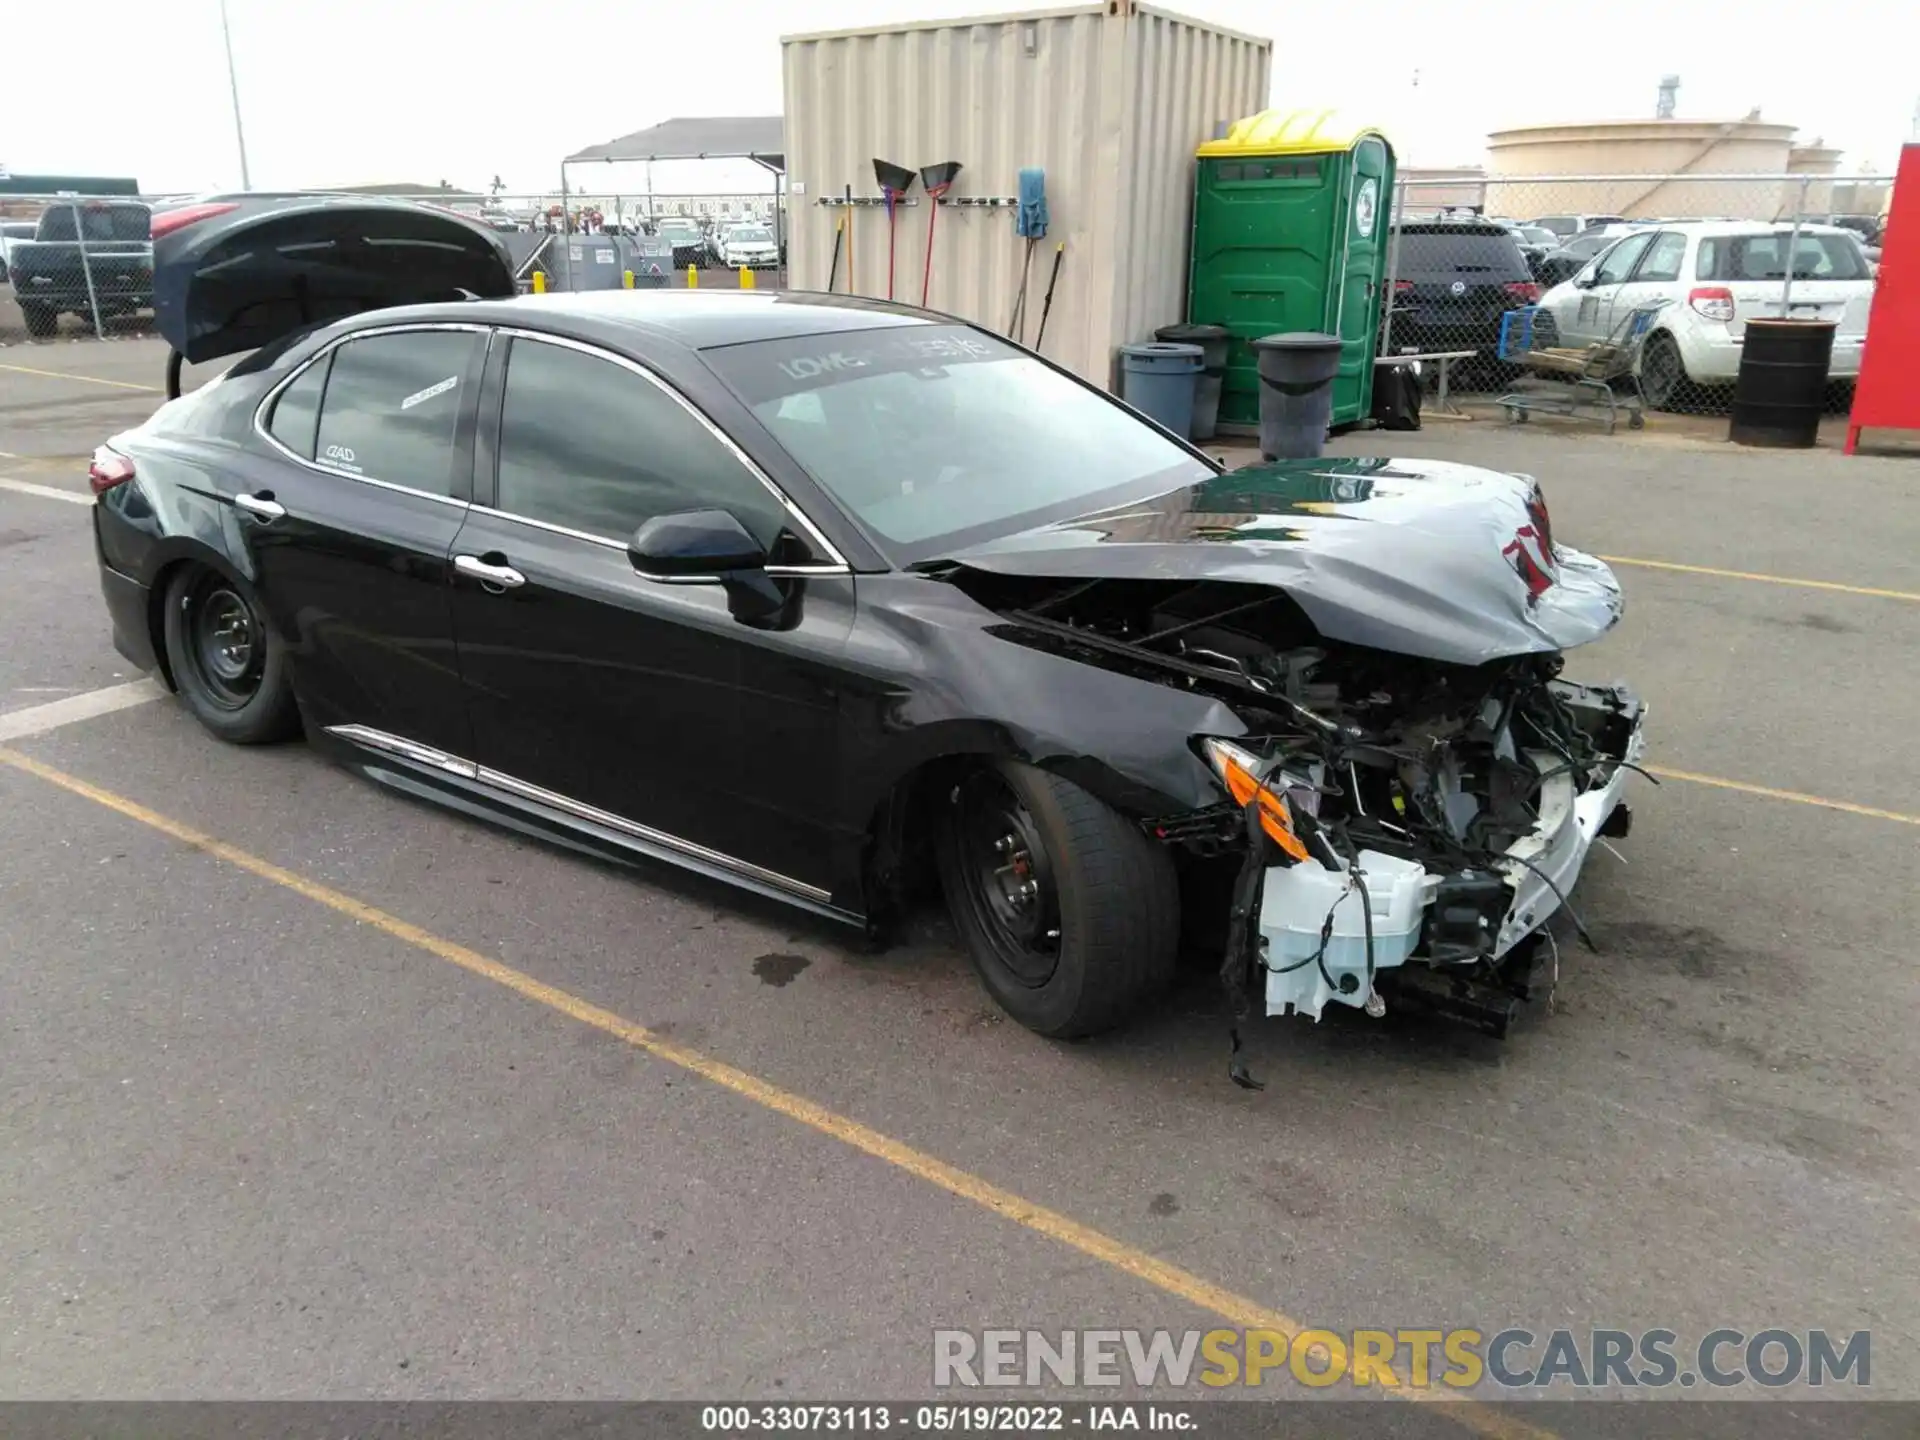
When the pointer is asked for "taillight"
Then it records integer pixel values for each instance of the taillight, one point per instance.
(169, 221)
(1525, 291)
(109, 468)
(1403, 287)
(1711, 302)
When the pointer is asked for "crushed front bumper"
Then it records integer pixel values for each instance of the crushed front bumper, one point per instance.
(1320, 944)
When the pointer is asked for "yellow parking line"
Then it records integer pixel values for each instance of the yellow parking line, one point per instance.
(1765, 579)
(1768, 792)
(89, 379)
(1482, 1419)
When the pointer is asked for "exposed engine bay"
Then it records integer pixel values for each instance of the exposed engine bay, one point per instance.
(1397, 824)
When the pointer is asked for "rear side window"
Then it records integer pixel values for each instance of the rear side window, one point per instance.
(1732, 258)
(1664, 257)
(296, 414)
(590, 446)
(392, 407)
(1448, 251)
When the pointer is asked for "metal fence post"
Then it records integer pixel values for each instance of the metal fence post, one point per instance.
(86, 269)
(1793, 247)
(1393, 263)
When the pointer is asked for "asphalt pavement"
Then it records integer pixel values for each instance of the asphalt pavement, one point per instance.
(311, 1091)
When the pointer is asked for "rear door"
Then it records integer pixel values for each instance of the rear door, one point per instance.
(348, 522)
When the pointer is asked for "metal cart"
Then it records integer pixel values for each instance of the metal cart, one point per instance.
(1591, 370)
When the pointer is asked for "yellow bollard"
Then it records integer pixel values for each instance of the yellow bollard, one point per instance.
(746, 277)
(693, 277)
(626, 279)
(539, 282)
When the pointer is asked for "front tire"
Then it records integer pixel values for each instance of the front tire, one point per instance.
(231, 670)
(1071, 915)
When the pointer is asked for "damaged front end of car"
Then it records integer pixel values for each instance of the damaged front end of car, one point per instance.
(1401, 827)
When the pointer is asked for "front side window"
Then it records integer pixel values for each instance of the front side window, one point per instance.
(392, 407)
(938, 436)
(589, 445)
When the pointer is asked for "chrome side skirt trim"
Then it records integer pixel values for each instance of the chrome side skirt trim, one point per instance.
(371, 739)
(647, 833)
(407, 749)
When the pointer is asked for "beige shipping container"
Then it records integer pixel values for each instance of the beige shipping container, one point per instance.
(1108, 99)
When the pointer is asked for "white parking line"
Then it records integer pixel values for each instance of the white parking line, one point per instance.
(45, 492)
(39, 719)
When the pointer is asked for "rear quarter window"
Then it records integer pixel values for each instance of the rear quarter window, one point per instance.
(1733, 258)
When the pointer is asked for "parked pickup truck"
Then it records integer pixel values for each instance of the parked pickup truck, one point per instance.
(83, 253)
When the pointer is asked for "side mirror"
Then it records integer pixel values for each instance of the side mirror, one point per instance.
(694, 545)
(1583, 280)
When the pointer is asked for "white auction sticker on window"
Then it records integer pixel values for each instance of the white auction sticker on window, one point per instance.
(419, 396)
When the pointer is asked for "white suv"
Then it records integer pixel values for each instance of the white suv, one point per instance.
(1716, 275)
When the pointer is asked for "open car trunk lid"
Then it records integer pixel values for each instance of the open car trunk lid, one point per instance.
(233, 276)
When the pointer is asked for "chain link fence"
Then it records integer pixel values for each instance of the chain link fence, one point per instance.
(1484, 271)
(79, 266)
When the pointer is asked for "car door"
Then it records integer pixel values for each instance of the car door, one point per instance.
(1593, 316)
(1656, 277)
(348, 522)
(689, 711)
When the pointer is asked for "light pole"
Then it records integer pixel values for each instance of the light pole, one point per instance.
(233, 88)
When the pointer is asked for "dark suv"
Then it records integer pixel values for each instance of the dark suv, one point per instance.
(1452, 283)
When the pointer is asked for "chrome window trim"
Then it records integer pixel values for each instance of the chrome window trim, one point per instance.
(260, 411)
(380, 740)
(778, 572)
(838, 563)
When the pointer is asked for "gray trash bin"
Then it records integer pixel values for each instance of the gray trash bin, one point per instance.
(589, 262)
(1213, 341)
(1159, 381)
(1296, 392)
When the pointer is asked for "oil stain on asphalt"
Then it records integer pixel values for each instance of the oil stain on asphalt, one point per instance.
(778, 970)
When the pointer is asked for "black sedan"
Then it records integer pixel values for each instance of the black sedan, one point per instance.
(818, 595)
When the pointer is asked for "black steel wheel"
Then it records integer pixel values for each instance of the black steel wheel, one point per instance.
(1009, 878)
(1070, 914)
(229, 669)
(1662, 372)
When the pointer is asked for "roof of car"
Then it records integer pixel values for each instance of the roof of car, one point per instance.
(1735, 227)
(701, 319)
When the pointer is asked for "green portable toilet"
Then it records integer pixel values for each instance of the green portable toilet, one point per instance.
(1290, 219)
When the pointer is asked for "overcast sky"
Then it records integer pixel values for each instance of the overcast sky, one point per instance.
(339, 92)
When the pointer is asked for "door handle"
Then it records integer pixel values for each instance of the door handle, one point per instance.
(262, 506)
(496, 578)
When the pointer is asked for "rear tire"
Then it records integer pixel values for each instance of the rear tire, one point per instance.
(231, 670)
(1662, 371)
(42, 321)
(1099, 932)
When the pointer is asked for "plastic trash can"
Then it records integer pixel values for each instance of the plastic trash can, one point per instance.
(1781, 389)
(1159, 380)
(1213, 341)
(1296, 392)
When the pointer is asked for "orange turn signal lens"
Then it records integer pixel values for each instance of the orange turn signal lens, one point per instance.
(1275, 818)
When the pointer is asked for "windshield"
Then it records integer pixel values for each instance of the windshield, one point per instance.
(686, 225)
(748, 232)
(936, 437)
(1764, 257)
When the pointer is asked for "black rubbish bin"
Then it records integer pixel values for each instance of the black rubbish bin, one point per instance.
(1781, 391)
(1213, 341)
(1296, 392)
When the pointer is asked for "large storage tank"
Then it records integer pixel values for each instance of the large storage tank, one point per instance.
(1109, 99)
(1644, 150)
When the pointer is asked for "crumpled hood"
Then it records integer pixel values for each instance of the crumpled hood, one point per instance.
(1420, 557)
